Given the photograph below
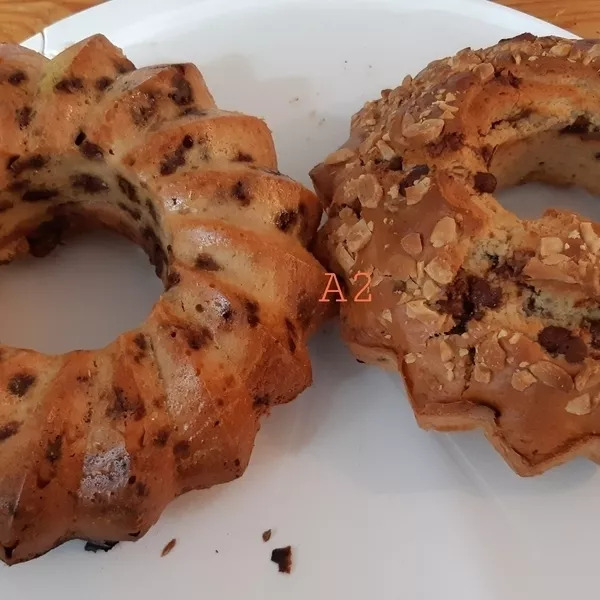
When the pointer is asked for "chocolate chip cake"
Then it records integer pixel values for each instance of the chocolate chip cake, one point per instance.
(493, 321)
(94, 444)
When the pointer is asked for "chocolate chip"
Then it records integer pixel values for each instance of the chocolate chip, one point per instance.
(124, 66)
(152, 210)
(39, 195)
(24, 116)
(144, 110)
(103, 83)
(240, 193)
(124, 405)
(171, 162)
(466, 297)
(487, 153)
(181, 449)
(91, 151)
(99, 546)
(80, 138)
(188, 142)
(595, 333)
(173, 279)
(54, 449)
(182, 93)
(244, 157)
(559, 340)
(415, 174)
(69, 85)
(31, 163)
(155, 250)
(506, 77)
(513, 266)
(9, 429)
(304, 311)
(47, 236)
(128, 189)
(485, 183)
(134, 213)
(580, 125)
(9, 550)
(286, 219)
(90, 184)
(141, 489)
(396, 164)
(193, 111)
(283, 558)
(291, 344)
(261, 401)
(199, 339)
(17, 78)
(206, 262)
(140, 341)
(252, 310)
(162, 437)
(483, 294)
(451, 141)
(19, 384)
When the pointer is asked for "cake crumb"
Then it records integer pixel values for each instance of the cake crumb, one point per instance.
(283, 558)
(266, 536)
(167, 549)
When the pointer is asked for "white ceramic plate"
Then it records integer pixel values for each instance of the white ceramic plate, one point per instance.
(374, 507)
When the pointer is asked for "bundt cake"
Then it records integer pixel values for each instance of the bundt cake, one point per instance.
(94, 444)
(494, 321)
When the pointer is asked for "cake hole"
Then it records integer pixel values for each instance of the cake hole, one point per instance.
(532, 200)
(81, 296)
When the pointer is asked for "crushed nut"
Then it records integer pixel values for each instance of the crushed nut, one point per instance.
(580, 406)
(425, 131)
(552, 375)
(446, 352)
(411, 244)
(430, 290)
(551, 245)
(514, 338)
(555, 259)
(368, 190)
(485, 71)
(482, 374)
(588, 377)
(386, 151)
(462, 352)
(417, 310)
(394, 191)
(358, 236)
(521, 380)
(339, 156)
(410, 358)
(344, 258)
(561, 50)
(490, 354)
(536, 269)
(443, 233)
(386, 315)
(416, 192)
(439, 270)
(590, 237)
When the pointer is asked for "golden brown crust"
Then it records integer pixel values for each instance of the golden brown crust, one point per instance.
(492, 320)
(94, 445)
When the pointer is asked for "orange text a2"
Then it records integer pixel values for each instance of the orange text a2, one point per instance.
(334, 291)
